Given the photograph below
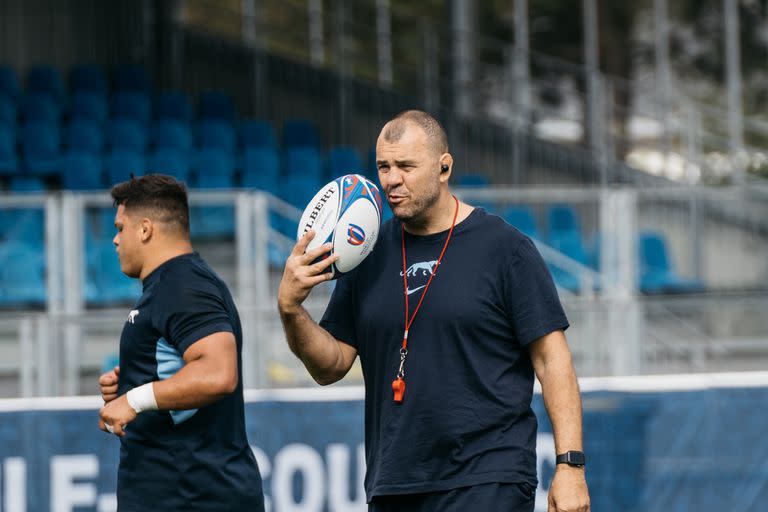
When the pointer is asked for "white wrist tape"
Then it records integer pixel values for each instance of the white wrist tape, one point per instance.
(142, 398)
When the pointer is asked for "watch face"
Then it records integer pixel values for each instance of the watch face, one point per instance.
(576, 458)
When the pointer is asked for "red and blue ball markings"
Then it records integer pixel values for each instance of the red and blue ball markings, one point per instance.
(355, 235)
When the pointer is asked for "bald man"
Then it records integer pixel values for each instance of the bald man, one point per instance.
(451, 315)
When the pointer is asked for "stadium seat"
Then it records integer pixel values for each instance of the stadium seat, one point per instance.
(303, 162)
(88, 106)
(343, 160)
(41, 107)
(9, 163)
(562, 219)
(22, 275)
(570, 244)
(41, 148)
(26, 184)
(173, 106)
(298, 190)
(131, 105)
(171, 162)
(9, 82)
(215, 105)
(300, 133)
(257, 133)
(82, 171)
(112, 285)
(131, 77)
(23, 225)
(8, 113)
(215, 134)
(119, 164)
(522, 218)
(261, 169)
(89, 79)
(45, 80)
(83, 135)
(214, 168)
(126, 134)
(473, 181)
(657, 275)
(172, 134)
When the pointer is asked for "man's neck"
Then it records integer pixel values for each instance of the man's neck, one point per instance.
(160, 256)
(440, 217)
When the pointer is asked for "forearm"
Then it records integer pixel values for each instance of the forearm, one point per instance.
(194, 385)
(314, 346)
(560, 390)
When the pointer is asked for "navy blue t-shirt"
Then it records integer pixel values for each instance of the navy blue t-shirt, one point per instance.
(466, 418)
(193, 459)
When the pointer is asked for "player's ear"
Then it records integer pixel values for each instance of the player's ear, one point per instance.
(446, 166)
(147, 228)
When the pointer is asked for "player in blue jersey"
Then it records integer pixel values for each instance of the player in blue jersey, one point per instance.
(176, 400)
(451, 315)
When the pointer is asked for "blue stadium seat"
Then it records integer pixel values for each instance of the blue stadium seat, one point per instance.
(9, 163)
(473, 181)
(371, 169)
(300, 133)
(303, 162)
(88, 106)
(171, 162)
(172, 134)
(119, 164)
(215, 105)
(214, 168)
(41, 144)
(173, 106)
(261, 169)
(215, 134)
(45, 80)
(257, 133)
(82, 171)
(41, 107)
(112, 285)
(299, 190)
(89, 79)
(8, 113)
(522, 218)
(22, 275)
(26, 184)
(126, 134)
(570, 244)
(562, 218)
(343, 160)
(657, 275)
(9, 82)
(131, 77)
(131, 105)
(82, 135)
(23, 225)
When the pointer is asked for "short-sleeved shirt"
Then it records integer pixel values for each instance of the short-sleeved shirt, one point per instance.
(192, 459)
(466, 417)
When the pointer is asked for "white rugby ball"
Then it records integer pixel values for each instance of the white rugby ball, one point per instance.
(346, 212)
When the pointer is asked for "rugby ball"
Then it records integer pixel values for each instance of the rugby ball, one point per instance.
(347, 213)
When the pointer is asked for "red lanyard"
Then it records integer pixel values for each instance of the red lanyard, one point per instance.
(398, 385)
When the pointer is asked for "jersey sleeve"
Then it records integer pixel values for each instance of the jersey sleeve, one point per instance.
(190, 310)
(339, 317)
(533, 306)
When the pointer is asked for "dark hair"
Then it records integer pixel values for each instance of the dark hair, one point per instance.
(161, 197)
(395, 128)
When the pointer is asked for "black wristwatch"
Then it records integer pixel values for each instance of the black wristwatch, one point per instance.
(572, 458)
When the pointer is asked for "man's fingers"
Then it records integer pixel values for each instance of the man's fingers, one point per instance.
(117, 371)
(323, 264)
(303, 242)
(108, 397)
(315, 280)
(102, 425)
(316, 253)
(107, 379)
(118, 429)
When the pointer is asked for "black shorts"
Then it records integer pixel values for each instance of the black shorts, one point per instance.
(492, 497)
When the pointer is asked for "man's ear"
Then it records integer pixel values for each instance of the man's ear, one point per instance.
(446, 166)
(147, 229)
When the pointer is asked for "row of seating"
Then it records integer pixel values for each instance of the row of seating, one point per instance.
(656, 273)
(45, 79)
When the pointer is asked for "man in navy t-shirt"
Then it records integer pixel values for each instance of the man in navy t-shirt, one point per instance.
(176, 400)
(451, 315)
